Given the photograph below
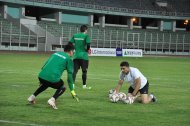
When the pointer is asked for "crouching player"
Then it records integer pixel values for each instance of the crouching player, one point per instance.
(137, 81)
(50, 75)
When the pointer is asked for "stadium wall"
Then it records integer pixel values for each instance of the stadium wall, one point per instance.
(13, 11)
(78, 19)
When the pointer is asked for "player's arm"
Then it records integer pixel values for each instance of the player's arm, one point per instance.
(88, 43)
(137, 86)
(88, 46)
(120, 82)
(137, 83)
(119, 85)
(70, 75)
(70, 79)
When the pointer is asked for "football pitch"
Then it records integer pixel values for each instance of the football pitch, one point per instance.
(169, 79)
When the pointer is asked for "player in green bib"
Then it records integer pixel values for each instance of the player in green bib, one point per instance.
(50, 75)
(81, 42)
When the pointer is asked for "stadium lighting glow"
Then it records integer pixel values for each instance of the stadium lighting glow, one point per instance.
(186, 22)
(134, 19)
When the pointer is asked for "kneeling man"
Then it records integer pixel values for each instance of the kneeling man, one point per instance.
(137, 81)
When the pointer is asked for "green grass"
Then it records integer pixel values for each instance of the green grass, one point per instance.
(169, 79)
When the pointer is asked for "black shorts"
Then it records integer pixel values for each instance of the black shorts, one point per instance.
(56, 85)
(144, 90)
(80, 63)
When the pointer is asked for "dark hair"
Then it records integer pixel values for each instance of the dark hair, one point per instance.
(83, 28)
(124, 63)
(68, 48)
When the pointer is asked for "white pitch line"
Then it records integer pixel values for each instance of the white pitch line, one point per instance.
(20, 123)
(79, 74)
(98, 76)
(107, 79)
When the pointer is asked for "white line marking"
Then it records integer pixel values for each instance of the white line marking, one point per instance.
(20, 123)
(102, 77)
(16, 85)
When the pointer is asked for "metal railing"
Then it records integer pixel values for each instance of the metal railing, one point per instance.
(150, 41)
(11, 40)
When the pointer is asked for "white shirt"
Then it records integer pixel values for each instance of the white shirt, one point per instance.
(133, 74)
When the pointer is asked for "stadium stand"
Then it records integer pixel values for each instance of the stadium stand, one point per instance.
(179, 6)
(10, 27)
(173, 5)
(112, 37)
(56, 35)
(13, 35)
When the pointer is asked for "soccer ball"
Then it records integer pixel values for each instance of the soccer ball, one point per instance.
(110, 95)
(128, 100)
(122, 96)
(111, 91)
(114, 98)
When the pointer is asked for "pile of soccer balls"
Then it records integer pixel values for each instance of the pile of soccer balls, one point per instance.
(115, 97)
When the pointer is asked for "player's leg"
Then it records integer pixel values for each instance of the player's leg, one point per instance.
(60, 90)
(145, 98)
(42, 87)
(76, 68)
(84, 71)
(84, 66)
